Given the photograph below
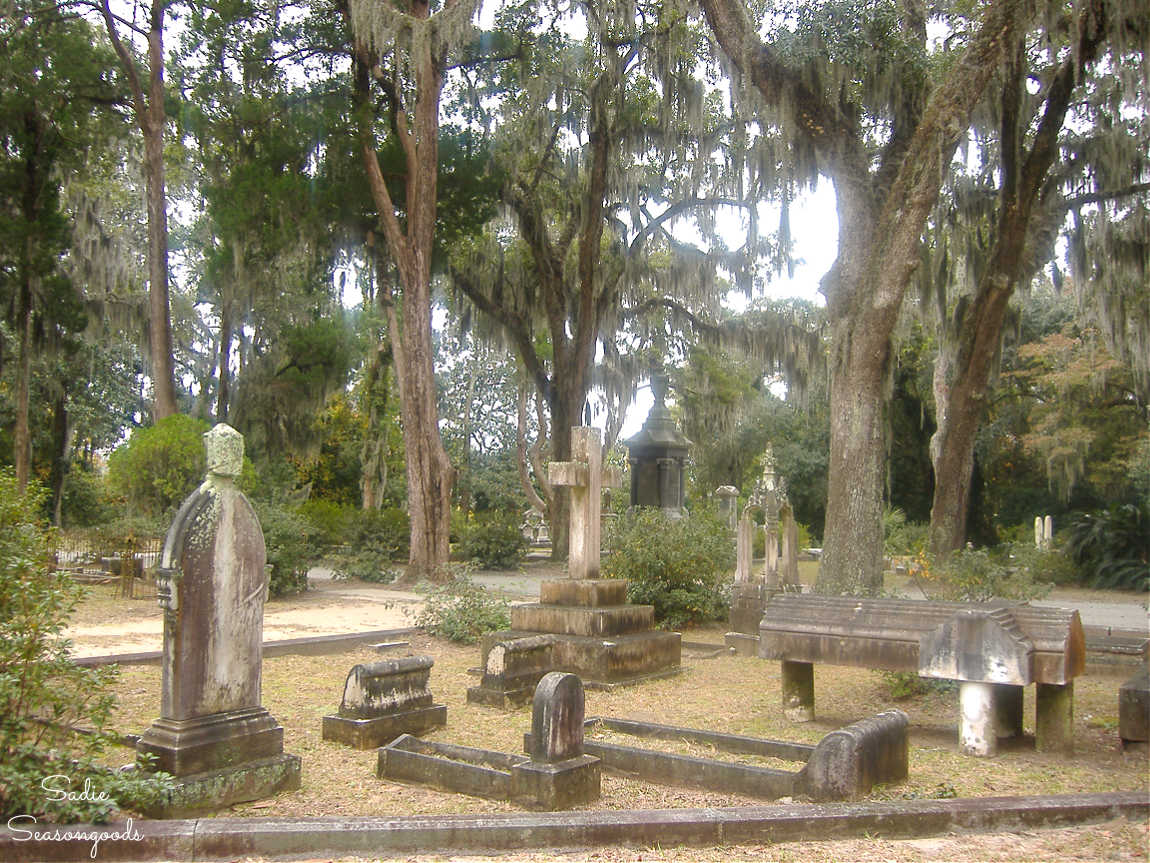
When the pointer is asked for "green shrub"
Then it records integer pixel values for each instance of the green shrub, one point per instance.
(900, 537)
(331, 523)
(291, 551)
(494, 542)
(367, 565)
(463, 611)
(907, 684)
(85, 500)
(1009, 571)
(387, 532)
(43, 693)
(1112, 547)
(676, 565)
(160, 465)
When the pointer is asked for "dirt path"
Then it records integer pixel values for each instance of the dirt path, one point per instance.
(109, 625)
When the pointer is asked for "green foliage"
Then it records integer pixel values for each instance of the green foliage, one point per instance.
(330, 523)
(463, 611)
(678, 566)
(901, 537)
(85, 500)
(907, 684)
(494, 542)
(290, 546)
(43, 693)
(1111, 547)
(160, 465)
(387, 532)
(1009, 571)
(368, 565)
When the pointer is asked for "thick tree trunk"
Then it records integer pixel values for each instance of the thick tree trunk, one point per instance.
(852, 548)
(881, 217)
(430, 474)
(961, 382)
(429, 471)
(960, 388)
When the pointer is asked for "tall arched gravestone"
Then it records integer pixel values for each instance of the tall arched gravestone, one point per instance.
(213, 733)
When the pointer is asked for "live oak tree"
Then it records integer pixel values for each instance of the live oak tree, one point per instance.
(861, 96)
(1063, 132)
(608, 143)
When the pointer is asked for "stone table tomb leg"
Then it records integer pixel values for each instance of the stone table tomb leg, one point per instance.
(978, 727)
(1054, 717)
(1008, 709)
(798, 690)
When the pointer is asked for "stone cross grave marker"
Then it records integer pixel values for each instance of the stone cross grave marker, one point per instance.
(585, 476)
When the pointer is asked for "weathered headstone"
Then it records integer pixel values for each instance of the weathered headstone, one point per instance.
(382, 700)
(213, 734)
(557, 713)
(558, 775)
(728, 497)
(1134, 711)
(1043, 532)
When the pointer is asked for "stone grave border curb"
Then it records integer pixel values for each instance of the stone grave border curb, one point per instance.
(281, 838)
(308, 645)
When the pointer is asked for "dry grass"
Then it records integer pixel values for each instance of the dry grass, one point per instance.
(739, 695)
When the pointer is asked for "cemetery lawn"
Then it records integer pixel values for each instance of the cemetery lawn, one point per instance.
(727, 693)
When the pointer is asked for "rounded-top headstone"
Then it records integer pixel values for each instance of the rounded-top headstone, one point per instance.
(225, 451)
(557, 718)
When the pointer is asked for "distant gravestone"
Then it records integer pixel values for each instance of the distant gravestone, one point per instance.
(788, 548)
(213, 734)
(728, 497)
(744, 548)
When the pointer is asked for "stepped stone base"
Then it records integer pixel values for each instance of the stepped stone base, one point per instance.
(216, 741)
(380, 730)
(200, 793)
(583, 627)
(603, 622)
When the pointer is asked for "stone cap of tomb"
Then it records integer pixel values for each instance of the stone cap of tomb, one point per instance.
(999, 641)
(376, 688)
